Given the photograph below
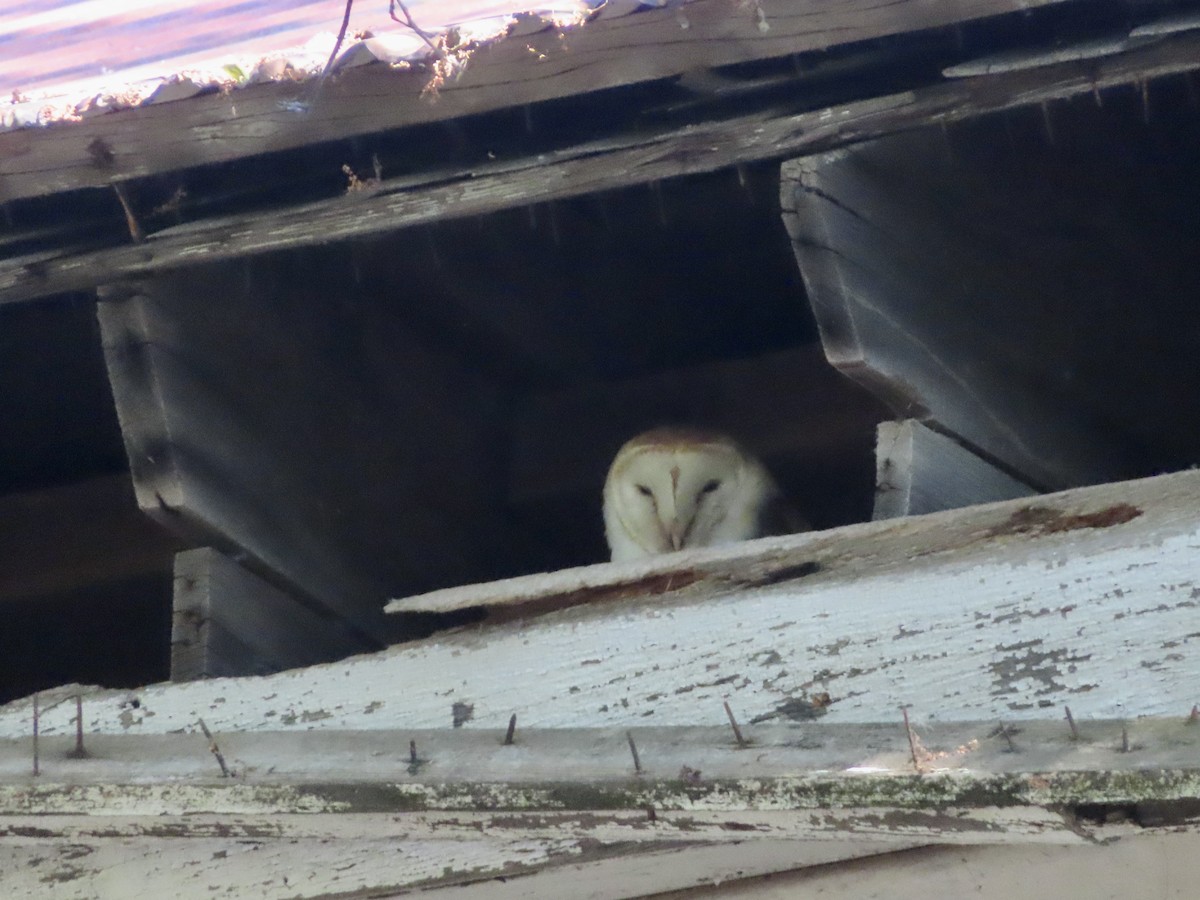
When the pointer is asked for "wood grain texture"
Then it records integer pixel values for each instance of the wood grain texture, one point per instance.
(491, 868)
(1084, 598)
(1151, 866)
(983, 279)
(227, 621)
(526, 68)
(320, 813)
(920, 471)
(582, 169)
(305, 436)
(469, 769)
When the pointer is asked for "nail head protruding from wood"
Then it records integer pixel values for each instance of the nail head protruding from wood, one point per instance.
(512, 727)
(1071, 723)
(637, 762)
(79, 752)
(912, 740)
(737, 732)
(1005, 732)
(36, 712)
(215, 750)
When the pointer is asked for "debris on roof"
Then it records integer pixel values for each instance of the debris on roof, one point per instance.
(236, 48)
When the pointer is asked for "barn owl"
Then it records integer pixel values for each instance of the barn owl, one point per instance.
(672, 488)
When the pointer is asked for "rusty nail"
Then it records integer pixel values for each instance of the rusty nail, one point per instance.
(79, 753)
(1004, 732)
(1071, 722)
(737, 732)
(135, 229)
(36, 713)
(912, 742)
(512, 727)
(637, 763)
(214, 749)
(1124, 739)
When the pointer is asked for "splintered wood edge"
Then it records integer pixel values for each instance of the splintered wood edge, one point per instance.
(816, 555)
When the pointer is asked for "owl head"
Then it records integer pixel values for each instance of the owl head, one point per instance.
(672, 488)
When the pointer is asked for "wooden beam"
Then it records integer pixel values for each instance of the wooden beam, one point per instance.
(620, 45)
(464, 806)
(305, 459)
(1154, 866)
(460, 869)
(584, 169)
(64, 538)
(999, 612)
(981, 284)
(227, 621)
(918, 470)
(1118, 869)
(301, 766)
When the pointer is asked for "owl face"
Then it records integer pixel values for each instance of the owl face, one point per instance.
(668, 490)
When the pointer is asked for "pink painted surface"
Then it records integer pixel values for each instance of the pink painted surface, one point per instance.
(75, 47)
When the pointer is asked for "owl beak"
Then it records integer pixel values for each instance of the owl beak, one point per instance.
(677, 533)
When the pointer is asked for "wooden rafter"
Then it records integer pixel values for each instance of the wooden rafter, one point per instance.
(537, 61)
(587, 168)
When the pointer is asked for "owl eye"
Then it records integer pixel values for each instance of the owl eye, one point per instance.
(644, 491)
(710, 486)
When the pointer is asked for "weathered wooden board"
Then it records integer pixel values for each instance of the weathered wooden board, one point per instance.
(1084, 598)
(920, 471)
(227, 621)
(329, 810)
(1149, 867)
(470, 867)
(269, 414)
(778, 766)
(530, 66)
(984, 280)
(1146, 867)
(584, 169)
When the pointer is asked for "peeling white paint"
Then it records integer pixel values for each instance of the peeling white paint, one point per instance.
(950, 614)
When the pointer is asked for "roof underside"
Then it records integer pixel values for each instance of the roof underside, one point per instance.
(60, 50)
(655, 92)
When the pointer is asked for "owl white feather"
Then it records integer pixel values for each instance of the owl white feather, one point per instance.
(672, 488)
